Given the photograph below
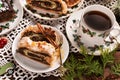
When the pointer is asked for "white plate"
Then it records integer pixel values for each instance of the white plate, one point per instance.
(70, 10)
(13, 23)
(76, 39)
(37, 67)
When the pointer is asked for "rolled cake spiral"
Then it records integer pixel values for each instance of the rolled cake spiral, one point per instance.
(50, 6)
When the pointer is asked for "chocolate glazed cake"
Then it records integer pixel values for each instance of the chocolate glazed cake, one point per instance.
(6, 10)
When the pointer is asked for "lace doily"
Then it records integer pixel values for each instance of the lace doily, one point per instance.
(6, 54)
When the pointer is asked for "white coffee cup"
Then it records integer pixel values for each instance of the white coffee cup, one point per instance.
(97, 10)
(93, 36)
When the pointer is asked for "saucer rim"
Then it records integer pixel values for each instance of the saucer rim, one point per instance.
(70, 32)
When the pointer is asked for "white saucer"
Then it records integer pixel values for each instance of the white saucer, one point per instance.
(73, 34)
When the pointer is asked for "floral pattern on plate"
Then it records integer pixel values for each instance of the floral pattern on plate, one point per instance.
(77, 39)
(50, 16)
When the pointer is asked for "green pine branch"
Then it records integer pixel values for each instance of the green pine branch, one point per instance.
(87, 65)
(116, 69)
(107, 57)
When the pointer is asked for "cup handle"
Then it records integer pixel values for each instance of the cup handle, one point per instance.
(115, 34)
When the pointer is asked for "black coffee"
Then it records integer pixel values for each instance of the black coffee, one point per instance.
(97, 20)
